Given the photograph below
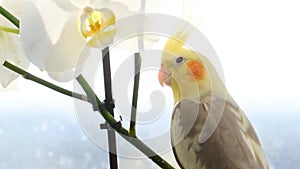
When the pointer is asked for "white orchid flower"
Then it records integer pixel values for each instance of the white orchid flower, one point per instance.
(56, 34)
(10, 48)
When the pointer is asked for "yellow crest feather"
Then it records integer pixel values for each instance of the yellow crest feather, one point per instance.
(177, 39)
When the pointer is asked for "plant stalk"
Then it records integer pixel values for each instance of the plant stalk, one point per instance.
(10, 17)
(137, 68)
(95, 101)
(40, 81)
(112, 145)
(117, 126)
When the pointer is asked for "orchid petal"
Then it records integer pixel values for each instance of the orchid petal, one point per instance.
(11, 51)
(103, 38)
(2, 45)
(132, 5)
(66, 5)
(33, 36)
(56, 41)
(97, 26)
(15, 7)
(72, 73)
(122, 13)
(144, 6)
(132, 29)
(120, 10)
(66, 53)
(80, 3)
(10, 48)
(52, 47)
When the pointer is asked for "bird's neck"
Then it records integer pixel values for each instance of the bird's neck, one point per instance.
(176, 92)
(189, 90)
(194, 90)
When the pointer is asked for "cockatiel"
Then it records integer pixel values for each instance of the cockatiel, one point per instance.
(208, 129)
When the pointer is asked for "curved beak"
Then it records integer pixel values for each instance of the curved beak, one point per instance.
(164, 77)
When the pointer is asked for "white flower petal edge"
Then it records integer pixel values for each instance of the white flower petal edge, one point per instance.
(80, 3)
(51, 36)
(67, 5)
(34, 38)
(120, 10)
(68, 55)
(51, 39)
(56, 34)
(10, 48)
(11, 51)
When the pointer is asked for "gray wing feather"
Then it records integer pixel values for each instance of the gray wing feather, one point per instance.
(231, 142)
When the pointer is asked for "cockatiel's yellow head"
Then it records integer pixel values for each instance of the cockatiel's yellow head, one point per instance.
(188, 73)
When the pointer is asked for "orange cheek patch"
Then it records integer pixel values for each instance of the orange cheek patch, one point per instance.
(197, 69)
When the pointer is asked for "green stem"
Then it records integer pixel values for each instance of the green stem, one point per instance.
(118, 128)
(94, 100)
(10, 17)
(137, 68)
(10, 30)
(31, 77)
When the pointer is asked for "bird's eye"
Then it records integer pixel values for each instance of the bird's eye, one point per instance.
(180, 60)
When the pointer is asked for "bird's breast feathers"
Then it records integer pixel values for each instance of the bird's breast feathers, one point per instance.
(214, 134)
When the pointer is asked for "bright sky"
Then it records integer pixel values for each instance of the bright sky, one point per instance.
(257, 43)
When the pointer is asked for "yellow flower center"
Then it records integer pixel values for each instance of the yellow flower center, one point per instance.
(91, 22)
(97, 26)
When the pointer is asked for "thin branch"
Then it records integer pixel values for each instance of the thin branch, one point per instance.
(94, 100)
(10, 17)
(109, 102)
(117, 126)
(137, 68)
(52, 86)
